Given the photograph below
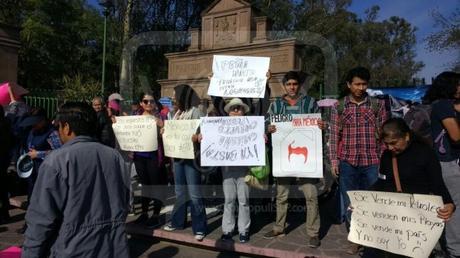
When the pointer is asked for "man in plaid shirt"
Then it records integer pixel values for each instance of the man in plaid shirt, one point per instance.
(354, 147)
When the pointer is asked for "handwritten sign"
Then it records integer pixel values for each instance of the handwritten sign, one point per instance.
(239, 76)
(297, 146)
(405, 224)
(233, 141)
(177, 138)
(136, 133)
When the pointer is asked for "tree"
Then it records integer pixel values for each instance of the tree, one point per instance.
(448, 37)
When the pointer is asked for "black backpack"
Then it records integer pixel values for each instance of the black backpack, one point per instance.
(418, 118)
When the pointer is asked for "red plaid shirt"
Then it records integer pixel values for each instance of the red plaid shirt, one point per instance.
(353, 133)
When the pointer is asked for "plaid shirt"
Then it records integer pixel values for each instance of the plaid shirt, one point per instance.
(353, 135)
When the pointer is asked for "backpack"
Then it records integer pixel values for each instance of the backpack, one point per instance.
(418, 118)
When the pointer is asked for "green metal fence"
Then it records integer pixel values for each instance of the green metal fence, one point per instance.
(50, 104)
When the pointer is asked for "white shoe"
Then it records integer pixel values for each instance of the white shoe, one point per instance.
(199, 237)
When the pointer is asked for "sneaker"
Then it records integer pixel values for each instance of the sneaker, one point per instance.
(142, 218)
(353, 248)
(199, 236)
(169, 228)
(244, 237)
(226, 237)
(314, 242)
(272, 234)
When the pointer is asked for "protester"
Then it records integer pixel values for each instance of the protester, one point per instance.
(41, 139)
(6, 140)
(294, 102)
(354, 146)
(418, 168)
(97, 103)
(187, 177)
(104, 131)
(80, 202)
(147, 168)
(235, 187)
(445, 129)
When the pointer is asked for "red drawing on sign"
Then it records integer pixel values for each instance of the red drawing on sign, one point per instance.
(297, 151)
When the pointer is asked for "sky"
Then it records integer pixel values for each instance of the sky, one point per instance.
(416, 12)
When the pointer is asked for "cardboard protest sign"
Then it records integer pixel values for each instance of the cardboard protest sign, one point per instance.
(297, 146)
(405, 224)
(239, 76)
(136, 133)
(177, 138)
(233, 141)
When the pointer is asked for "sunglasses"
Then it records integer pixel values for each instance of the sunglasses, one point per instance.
(148, 101)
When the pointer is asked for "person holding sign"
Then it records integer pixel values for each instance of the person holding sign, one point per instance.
(235, 187)
(294, 102)
(187, 178)
(409, 165)
(147, 167)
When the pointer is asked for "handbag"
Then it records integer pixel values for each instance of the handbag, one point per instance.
(261, 172)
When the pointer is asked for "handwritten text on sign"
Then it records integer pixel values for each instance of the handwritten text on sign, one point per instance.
(233, 141)
(405, 224)
(177, 138)
(136, 133)
(297, 146)
(239, 76)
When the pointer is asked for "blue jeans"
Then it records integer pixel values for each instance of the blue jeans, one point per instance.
(187, 187)
(355, 178)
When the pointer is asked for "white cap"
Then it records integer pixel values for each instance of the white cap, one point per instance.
(24, 166)
(115, 96)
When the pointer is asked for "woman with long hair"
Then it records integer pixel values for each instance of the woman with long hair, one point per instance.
(445, 131)
(147, 168)
(187, 176)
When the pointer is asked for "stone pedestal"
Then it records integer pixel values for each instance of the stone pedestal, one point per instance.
(9, 47)
(229, 27)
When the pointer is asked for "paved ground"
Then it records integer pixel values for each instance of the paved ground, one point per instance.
(159, 243)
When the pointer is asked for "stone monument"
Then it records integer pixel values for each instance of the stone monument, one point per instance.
(230, 27)
(9, 46)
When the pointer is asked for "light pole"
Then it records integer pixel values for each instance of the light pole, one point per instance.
(106, 4)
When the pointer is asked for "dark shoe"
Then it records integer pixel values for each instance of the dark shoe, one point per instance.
(314, 242)
(272, 234)
(353, 248)
(152, 222)
(22, 230)
(244, 237)
(226, 237)
(142, 218)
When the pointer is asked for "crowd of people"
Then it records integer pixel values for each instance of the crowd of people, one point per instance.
(80, 191)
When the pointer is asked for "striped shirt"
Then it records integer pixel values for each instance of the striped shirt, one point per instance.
(304, 105)
(353, 134)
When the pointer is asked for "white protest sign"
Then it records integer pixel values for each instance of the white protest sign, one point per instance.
(233, 141)
(297, 146)
(239, 76)
(136, 133)
(405, 224)
(177, 138)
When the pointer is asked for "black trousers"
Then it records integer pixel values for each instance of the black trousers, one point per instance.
(150, 177)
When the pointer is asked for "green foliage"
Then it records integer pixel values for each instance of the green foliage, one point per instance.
(78, 89)
(386, 47)
(448, 35)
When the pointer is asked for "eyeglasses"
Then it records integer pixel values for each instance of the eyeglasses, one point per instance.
(148, 101)
(291, 83)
